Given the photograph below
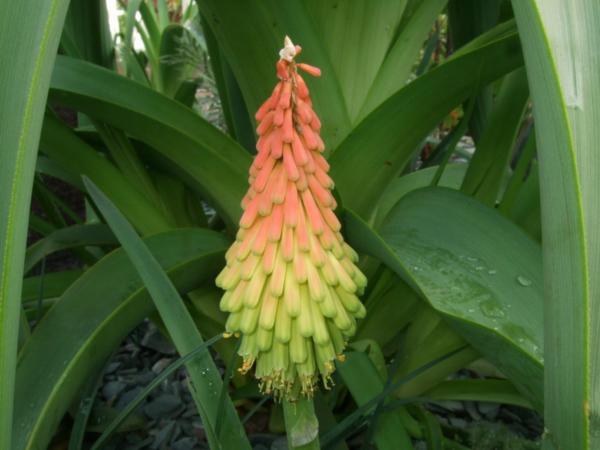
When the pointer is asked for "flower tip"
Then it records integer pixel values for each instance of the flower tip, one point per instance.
(288, 52)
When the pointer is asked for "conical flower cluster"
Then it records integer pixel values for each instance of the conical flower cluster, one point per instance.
(291, 281)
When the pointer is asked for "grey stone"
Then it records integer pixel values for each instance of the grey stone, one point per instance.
(162, 406)
(112, 389)
(186, 443)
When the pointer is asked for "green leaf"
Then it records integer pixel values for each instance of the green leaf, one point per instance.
(251, 42)
(130, 20)
(150, 22)
(526, 210)
(74, 339)
(31, 33)
(237, 117)
(62, 145)
(525, 163)
(47, 166)
(477, 269)
(127, 160)
(560, 44)
(364, 382)
(486, 390)
(48, 285)
(174, 69)
(432, 429)
(427, 338)
(86, 27)
(452, 177)
(357, 36)
(301, 425)
(468, 19)
(204, 375)
(84, 411)
(204, 155)
(163, 13)
(489, 165)
(386, 318)
(395, 70)
(393, 131)
(68, 237)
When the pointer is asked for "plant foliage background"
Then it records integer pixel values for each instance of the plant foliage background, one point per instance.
(461, 137)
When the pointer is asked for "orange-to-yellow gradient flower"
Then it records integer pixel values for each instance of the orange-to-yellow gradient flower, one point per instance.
(291, 281)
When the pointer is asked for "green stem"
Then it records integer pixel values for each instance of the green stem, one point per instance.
(301, 424)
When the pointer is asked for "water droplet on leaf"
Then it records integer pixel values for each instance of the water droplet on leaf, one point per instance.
(491, 309)
(523, 281)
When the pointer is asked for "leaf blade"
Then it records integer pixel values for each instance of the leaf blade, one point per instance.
(34, 32)
(559, 45)
(202, 371)
(422, 241)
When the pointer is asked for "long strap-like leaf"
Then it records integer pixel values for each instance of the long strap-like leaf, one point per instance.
(204, 376)
(560, 43)
(30, 35)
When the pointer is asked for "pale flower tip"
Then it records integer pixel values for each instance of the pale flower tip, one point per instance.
(288, 51)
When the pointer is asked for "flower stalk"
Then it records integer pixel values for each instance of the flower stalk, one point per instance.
(291, 281)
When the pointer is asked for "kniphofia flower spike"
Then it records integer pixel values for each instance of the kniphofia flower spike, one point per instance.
(291, 281)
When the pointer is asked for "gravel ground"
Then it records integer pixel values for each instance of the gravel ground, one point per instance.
(168, 420)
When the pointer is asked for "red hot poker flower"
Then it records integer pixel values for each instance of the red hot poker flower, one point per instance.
(291, 281)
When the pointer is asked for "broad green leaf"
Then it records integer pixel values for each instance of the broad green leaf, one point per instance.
(560, 43)
(68, 237)
(86, 26)
(451, 177)
(62, 145)
(468, 19)
(74, 339)
(477, 269)
(393, 131)
(237, 117)
(495, 147)
(205, 378)
(357, 36)
(205, 156)
(30, 36)
(251, 33)
(395, 70)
